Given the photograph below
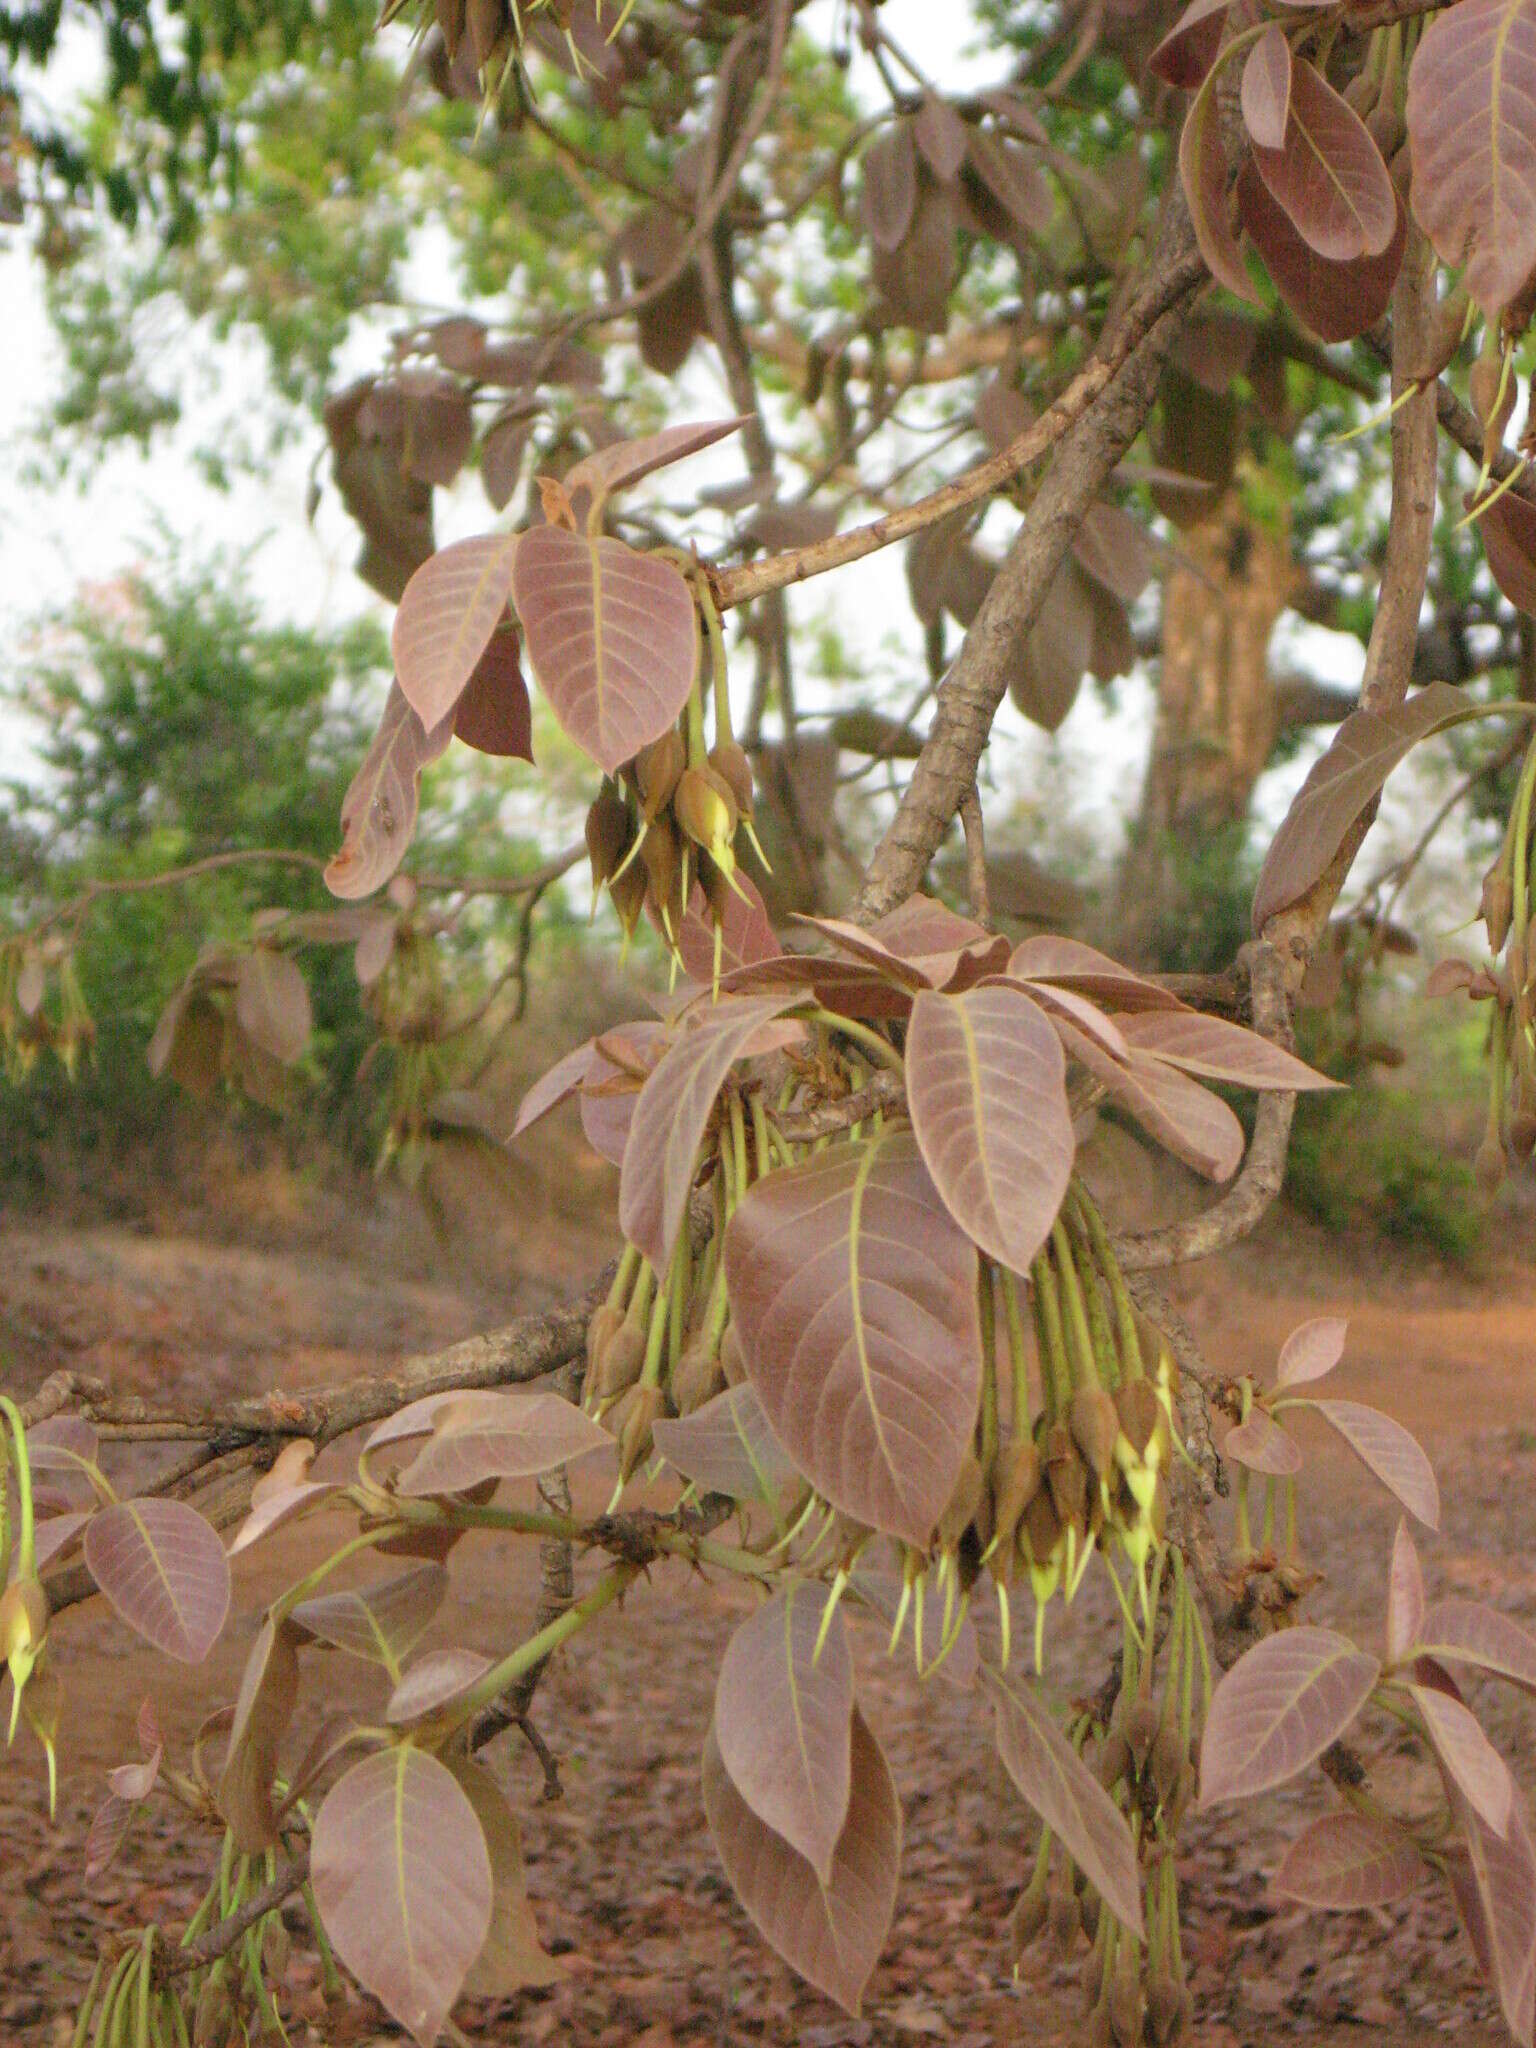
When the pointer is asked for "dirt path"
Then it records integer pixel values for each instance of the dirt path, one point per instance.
(621, 1870)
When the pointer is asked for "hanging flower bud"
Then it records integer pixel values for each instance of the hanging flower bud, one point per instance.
(608, 834)
(1062, 1915)
(628, 891)
(606, 1322)
(963, 1503)
(1026, 1923)
(1142, 1721)
(646, 1404)
(1488, 1166)
(1095, 1424)
(698, 1375)
(1127, 2003)
(706, 812)
(1015, 1482)
(661, 857)
(657, 769)
(730, 763)
(1497, 904)
(1168, 1760)
(623, 1361)
(23, 1634)
(450, 22)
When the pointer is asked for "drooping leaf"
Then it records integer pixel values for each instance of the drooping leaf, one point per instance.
(611, 635)
(1195, 1125)
(1312, 1350)
(1218, 1050)
(1471, 115)
(1014, 180)
(1203, 169)
(1281, 1704)
(1115, 550)
(494, 715)
(725, 1446)
(272, 1003)
(1266, 88)
(163, 1569)
(1503, 1871)
(986, 1086)
(413, 1420)
(1360, 757)
(1068, 1798)
(1050, 957)
(264, 1706)
(106, 1835)
(941, 135)
(1391, 1453)
(134, 1782)
(671, 1115)
(1468, 1632)
(403, 1883)
(1334, 301)
(483, 1435)
(1187, 52)
(378, 812)
(501, 454)
(888, 193)
(1508, 531)
(854, 1297)
(61, 1443)
(446, 619)
(610, 1092)
(784, 1721)
(1347, 1862)
(829, 1934)
(558, 1085)
(1328, 175)
(58, 1534)
(382, 1623)
(1057, 650)
(1466, 1755)
(1263, 1446)
(513, 1958)
(625, 462)
(433, 1682)
(277, 1508)
(1405, 1598)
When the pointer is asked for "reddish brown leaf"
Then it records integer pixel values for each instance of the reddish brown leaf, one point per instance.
(625, 462)
(1503, 1925)
(746, 934)
(1312, 1349)
(501, 455)
(264, 1706)
(829, 1934)
(854, 1296)
(57, 1535)
(1115, 550)
(1266, 88)
(1508, 530)
(494, 715)
(1014, 179)
(382, 1623)
(1360, 757)
(784, 1720)
(986, 1086)
(1195, 1125)
(1050, 957)
(277, 1508)
(1466, 1756)
(1328, 175)
(434, 1681)
(1471, 114)
(726, 1446)
(1068, 1798)
(1335, 301)
(163, 1569)
(1281, 1704)
(1467, 1632)
(558, 1085)
(272, 1003)
(672, 1113)
(378, 812)
(888, 193)
(1057, 650)
(403, 1883)
(446, 618)
(1391, 1453)
(1347, 1862)
(941, 135)
(1263, 1446)
(1203, 169)
(483, 1435)
(609, 1094)
(1218, 1051)
(1189, 49)
(513, 1958)
(611, 635)
(1405, 1598)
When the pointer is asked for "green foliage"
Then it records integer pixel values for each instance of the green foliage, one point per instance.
(1363, 1164)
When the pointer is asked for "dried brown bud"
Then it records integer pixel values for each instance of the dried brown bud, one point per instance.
(487, 21)
(697, 1376)
(1039, 1530)
(608, 833)
(1165, 2005)
(1026, 1922)
(623, 1360)
(647, 1403)
(1140, 1412)
(1067, 1478)
(661, 855)
(1062, 1914)
(1497, 905)
(451, 15)
(1114, 1758)
(628, 892)
(1127, 2001)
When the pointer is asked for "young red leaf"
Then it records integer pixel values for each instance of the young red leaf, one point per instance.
(1013, 178)
(1328, 175)
(61, 1443)
(1218, 1051)
(277, 1508)
(57, 1534)
(1360, 757)
(1467, 1632)
(494, 715)
(1189, 49)
(1346, 1862)
(378, 812)
(610, 1092)
(264, 1706)
(1056, 999)
(1057, 649)
(672, 1113)
(1466, 1755)
(1203, 169)
(625, 462)
(1263, 1446)
(163, 1569)
(558, 1085)
(272, 1003)
(1334, 301)
(726, 1446)
(1195, 1125)
(1050, 957)
(1068, 1798)
(612, 637)
(1312, 1349)
(106, 1834)
(1508, 530)
(414, 1419)
(381, 1623)
(986, 1086)
(434, 1681)
(1472, 138)
(784, 1721)
(1502, 1922)
(831, 1934)
(854, 1297)
(1266, 88)
(1391, 1453)
(446, 619)
(135, 1782)
(942, 136)
(501, 454)
(746, 933)
(1281, 1704)
(403, 1883)
(1405, 1597)
(484, 1435)
(888, 194)
(513, 1958)
(1115, 550)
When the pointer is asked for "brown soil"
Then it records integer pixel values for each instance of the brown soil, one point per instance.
(624, 1879)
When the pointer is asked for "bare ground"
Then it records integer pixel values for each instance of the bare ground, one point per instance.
(625, 1883)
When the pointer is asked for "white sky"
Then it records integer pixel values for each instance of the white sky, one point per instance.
(52, 540)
